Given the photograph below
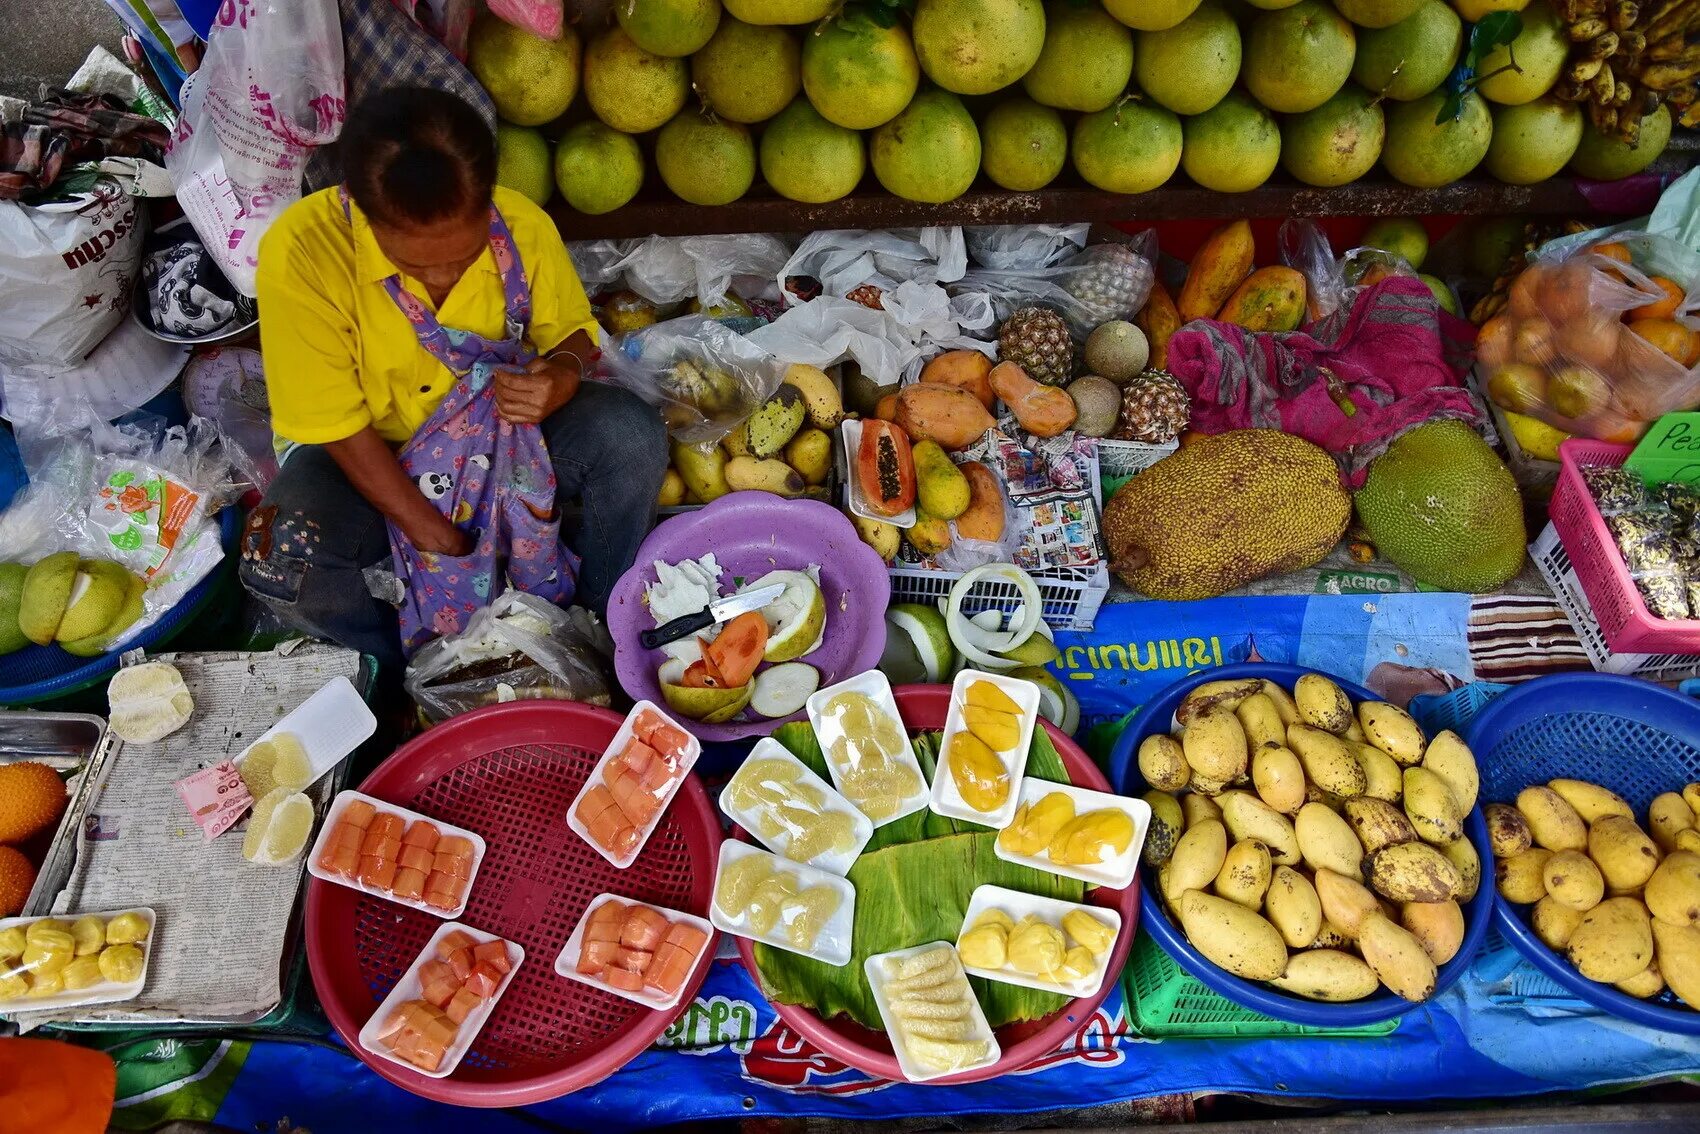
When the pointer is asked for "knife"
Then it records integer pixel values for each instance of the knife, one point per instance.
(720, 610)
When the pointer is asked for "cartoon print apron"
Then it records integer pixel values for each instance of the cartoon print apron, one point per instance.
(491, 478)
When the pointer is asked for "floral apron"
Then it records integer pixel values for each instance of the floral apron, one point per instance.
(491, 478)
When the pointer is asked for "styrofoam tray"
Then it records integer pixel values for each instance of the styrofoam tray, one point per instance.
(693, 749)
(1049, 910)
(342, 800)
(874, 684)
(946, 799)
(106, 992)
(567, 963)
(330, 724)
(832, 946)
(874, 969)
(1118, 873)
(407, 988)
(838, 862)
(852, 429)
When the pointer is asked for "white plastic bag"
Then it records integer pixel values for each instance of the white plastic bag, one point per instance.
(671, 269)
(1012, 247)
(597, 262)
(269, 91)
(66, 274)
(704, 377)
(1061, 286)
(845, 260)
(917, 321)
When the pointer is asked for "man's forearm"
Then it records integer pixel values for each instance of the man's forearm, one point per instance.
(372, 468)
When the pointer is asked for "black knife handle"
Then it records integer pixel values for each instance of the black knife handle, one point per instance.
(676, 629)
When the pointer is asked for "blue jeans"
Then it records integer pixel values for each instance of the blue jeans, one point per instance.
(307, 545)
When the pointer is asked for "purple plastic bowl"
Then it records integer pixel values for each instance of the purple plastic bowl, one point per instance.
(750, 534)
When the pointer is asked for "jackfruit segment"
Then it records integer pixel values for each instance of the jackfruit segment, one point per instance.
(985, 947)
(11, 943)
(1088, 931)
(1035, 824)
(84, 972)
(1035, 949)
(121, 964)
(126, 929)
(89, 935)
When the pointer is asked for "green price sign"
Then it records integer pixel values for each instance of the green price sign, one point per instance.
(1670, 452)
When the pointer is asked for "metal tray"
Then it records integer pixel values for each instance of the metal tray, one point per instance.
(77, 746)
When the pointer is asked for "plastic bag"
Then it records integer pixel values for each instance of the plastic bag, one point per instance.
(1562, 351)
(671, 269)
(227, 386)
(967, 554)
(598, 262)
(1090, 288)
(539, 17)
(269, 90)
(1331, 282)
(702, 376)
(1013, 247)
(845, 260)
(890, 343)
(519, 648)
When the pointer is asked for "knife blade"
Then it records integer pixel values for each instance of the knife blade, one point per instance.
(720, 610)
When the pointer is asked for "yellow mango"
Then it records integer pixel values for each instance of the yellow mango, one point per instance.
(980, 775)
(987, 695)
(1001, 731)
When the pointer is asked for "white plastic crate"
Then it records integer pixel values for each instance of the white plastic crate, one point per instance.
(1124, 458)
(1554, 564)
(1071, 596)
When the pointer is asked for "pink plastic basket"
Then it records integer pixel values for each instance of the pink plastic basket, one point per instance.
(1629, 627)
(925, 707)
(510, 772)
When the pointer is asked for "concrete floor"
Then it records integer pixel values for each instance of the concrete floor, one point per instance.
(46, 40)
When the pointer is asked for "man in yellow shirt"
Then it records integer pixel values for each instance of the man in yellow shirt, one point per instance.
(375, 300)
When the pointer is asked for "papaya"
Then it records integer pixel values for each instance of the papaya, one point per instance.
(930, 535)
(701, 674)
(885, 469)
(886, 408)
(1270, 299)
(963, 369)
(1219, 268)
(737, 649)
(1043, 411)
(984, 518)
(939, 487)
(1159, 319)
(952, 417)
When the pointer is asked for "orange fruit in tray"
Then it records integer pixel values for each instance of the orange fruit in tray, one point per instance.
(1564, 293)
(1589, 338)
(1493, 341)
(1524, 297)
(1533, 343)
(1664, 307)
(1518, 387)
(1670, 337)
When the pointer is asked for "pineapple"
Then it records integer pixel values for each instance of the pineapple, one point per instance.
(1037, 340)
(1155, 408)
(1111, 280)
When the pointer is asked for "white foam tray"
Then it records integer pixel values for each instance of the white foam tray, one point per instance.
(106, 992)
(874, 684)
(330, 724)
(832, 946)
(1118, 872)
(874, 969)
(835, 862)
(1018, 905)
(342, 800)
(693, 749)
(567, 963)
(852, 429)
(407, 988)
(946, 799)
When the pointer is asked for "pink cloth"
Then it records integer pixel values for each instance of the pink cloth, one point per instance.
(1391, 351)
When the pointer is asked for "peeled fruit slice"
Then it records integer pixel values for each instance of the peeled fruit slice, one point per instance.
(795, 619)
(121, 964)
(1035, 824)
(807, 914)
(768, 901)
(1094, 935)
(980, 776)
(1093, 838)
(84, 972)
(738, 649)
(259, 822)
(986, 695)
(47, 591)
(737, 883)
(287, 833)
(830, 832)
(88, 935)
(126, 929)
(1000, 731)
(148, 702)
(711, 706)
(783, 689)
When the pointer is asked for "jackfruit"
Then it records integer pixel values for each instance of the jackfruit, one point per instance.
(1444, 509)
(1224, 511)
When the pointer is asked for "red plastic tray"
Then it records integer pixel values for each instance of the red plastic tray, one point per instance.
(924, 708)
(510, 772)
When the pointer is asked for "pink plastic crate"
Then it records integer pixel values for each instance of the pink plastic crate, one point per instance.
(1629, 627)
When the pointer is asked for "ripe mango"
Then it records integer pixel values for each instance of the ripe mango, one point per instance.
(1270, 299)
(1217, 271)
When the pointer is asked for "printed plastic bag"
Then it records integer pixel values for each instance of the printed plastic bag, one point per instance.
(1090, 288)
(269, 91)
(519, 648)
(67, 273)
(842, 261)
(1014, 247)
(539, 17)
(1593, 344)
(702, 376)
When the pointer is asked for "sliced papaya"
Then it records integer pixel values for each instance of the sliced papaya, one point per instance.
(737, 649)
(885, 468)
(702, 674)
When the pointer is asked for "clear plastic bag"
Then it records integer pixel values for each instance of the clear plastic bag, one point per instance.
(539, 17)
(598, 262)
(845, 260)
(967, 554)
(702, 376)
(1090, 288)
(1331, 281)
(671, 269)
(519, 648)
(891, 343)
(1013, 247)
(1593, 344)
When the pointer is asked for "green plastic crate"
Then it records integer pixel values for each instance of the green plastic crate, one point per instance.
(1164, 1002)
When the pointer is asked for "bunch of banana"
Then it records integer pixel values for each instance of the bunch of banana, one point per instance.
(1627, 57)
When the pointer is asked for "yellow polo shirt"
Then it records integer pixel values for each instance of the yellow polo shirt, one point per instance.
(339, 353)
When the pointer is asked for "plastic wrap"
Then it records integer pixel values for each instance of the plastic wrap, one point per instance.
(1086, 288)
(702, 376)
(890, 343)
(845, 260)
(598, 262)
(671, 269)
(517, 648)
(1331, 281)
(1006, 247)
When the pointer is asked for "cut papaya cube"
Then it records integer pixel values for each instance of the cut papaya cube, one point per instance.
(415, 857)
(644, 929)
(483, 980)
(494, 954)
(458, 845)
(624, 979)
(441, 899)
(667, 976)
(634, 801)
(464, 1004)
(357, 814)
(885, 468)
(439, 1031)
(656, 778)
(644, 724)
(663, 955)
(635, 960)
(421, 834)
(380, 844)
(595, 802)
(453, 942)
(409, 884)
(453, 865)
(377, 872)
(669, 741)
(612, 910)
(349, 836)
(460, 963)
(387, 824)
(687, 937)
(392, 1026)
(738, 649)
(594, 956)
(638, 756)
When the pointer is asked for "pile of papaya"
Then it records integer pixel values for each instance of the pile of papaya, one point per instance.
(908, 488)
(1224, 284)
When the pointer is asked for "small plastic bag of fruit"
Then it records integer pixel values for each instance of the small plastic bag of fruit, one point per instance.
(704, 377)
(1596, 342)
(1098, 284)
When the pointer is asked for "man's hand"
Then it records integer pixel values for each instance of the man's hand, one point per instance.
(544, 386)
(433, 532)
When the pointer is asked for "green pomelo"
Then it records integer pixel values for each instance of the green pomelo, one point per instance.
(598, 169)
(1443, 508)
(922, 627)
(1607, 159)
(530, 79)
(1402, 236)
(748, 73)
(1534, 141)
(1414, 56)
(710, 706)
(703, 161)
(1442, 293)
(97, 598)
(1298, 58)
(1271, 5)
(1426, 154)
(1151, 15)
(1191, 66)
(1026, 145)
(1130, 148)
(98, 642)
(1539, 51)
(1086, 61)
(930, 152)
(781, 11)
(668, 27)
(858, 74)
(1376, 13)
(47, 588)
(976, 47)
(1336, 143)
(806, 158)
(522, 162)
(631, 89)
(1233, 147)
(12, 575)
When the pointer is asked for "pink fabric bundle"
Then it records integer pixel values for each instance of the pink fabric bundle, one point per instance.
(1391, 352)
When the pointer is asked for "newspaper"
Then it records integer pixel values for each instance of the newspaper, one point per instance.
(223, 923)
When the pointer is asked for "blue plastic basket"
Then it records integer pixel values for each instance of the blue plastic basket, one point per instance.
(1383, 1005)
(1437, 712)
(41, 673)
(1634, 737)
